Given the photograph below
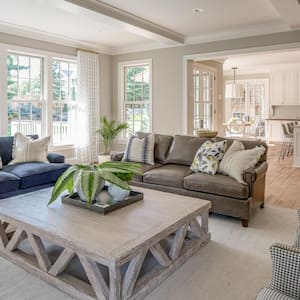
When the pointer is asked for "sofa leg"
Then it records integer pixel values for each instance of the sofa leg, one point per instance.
(245, 223)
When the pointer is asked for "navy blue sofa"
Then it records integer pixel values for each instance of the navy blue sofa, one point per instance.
(30, 176)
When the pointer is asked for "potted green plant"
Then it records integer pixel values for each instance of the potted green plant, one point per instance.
(108, 132)
(88, 180)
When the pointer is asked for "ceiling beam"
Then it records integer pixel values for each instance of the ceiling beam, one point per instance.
(139, 23)
(289, 10)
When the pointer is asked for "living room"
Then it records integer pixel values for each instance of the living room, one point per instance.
(176, 123)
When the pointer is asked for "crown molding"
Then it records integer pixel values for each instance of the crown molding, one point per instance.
(28, 32)
(206, 38)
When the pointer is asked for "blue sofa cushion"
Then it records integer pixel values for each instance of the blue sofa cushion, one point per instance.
(8, 182)
(36, 173)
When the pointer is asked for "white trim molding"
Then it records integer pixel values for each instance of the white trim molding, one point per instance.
(215, 55)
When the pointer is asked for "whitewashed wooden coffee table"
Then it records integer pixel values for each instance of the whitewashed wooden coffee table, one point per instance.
(122, 255)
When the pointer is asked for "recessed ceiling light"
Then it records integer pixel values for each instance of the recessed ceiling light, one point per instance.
(198, 10)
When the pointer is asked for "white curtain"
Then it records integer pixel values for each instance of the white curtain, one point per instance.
(88, 112)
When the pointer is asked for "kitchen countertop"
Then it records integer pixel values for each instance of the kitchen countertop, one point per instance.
(279, 119)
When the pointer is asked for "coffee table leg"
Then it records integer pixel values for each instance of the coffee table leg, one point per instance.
(114, 282)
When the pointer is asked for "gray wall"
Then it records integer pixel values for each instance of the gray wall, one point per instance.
(168, 74)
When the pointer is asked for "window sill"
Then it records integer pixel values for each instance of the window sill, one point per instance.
(62, 148)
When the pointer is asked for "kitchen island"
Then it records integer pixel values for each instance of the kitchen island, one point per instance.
(296, 151)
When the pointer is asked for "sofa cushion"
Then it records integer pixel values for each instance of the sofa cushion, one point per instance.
(140, 149)
(32, 174)
(6, 144)
(248, 144)
(26, 149)
(170, 175)
(145, 168)
(217, 184)
(8, 182)
(161, 147)
(183, 149)
(208, 156)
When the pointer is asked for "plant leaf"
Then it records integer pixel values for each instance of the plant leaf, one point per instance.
(112, 178)
(62, 183)
(90, 181)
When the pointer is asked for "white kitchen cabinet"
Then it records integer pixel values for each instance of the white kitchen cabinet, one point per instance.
(277, 91)
(274, 131)
(290, 87)
(285, 88)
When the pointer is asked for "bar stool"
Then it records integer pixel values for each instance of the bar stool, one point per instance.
(287, 145)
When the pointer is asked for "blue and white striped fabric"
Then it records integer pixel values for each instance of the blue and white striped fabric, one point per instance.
(140, 149)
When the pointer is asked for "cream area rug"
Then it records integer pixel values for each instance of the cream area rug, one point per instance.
(235, 265)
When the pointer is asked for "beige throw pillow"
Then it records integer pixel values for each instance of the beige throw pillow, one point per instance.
(237, 160)
(27, 150)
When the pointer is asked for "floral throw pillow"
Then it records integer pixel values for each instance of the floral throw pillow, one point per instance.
(208, 157)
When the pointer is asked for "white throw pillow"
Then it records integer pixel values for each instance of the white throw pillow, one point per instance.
(140, 149)
(27, 150)
(237, 160)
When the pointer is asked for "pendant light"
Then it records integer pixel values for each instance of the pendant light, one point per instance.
(234, 90)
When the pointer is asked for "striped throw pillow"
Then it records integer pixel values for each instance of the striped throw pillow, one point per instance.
(140, 149)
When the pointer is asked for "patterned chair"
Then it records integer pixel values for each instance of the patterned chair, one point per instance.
(285, 283)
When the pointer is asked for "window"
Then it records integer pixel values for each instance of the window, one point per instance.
(64, 90)
(203, 96)
(136, 96)
(33, 109)
(24, 94)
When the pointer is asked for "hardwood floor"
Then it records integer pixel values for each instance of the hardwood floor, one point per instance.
(283, 181)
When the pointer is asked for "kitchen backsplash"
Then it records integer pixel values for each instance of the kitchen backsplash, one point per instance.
(286, 112)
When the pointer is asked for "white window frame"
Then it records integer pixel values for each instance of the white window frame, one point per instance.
(121, 92)
(48, 58)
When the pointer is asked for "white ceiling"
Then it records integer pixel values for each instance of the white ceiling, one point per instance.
(262, 62)
(57, 20)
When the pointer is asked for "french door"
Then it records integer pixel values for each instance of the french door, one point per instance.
(202, 97)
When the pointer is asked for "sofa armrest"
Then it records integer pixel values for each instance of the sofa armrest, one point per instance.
(286, 270)
(252, 174)
(55, 158)
(117, 156)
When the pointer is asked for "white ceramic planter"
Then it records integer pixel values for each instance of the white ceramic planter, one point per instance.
(103, 158)
(117, 193)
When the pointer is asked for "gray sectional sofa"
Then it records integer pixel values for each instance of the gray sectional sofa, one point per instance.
(171, 173)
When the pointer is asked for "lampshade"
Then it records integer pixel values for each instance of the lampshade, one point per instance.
(234, 90)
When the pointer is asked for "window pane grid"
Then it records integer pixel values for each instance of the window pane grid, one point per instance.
(64, 101)
(136, 104)
(24, 94)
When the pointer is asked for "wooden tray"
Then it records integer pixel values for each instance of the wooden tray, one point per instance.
(102, 208)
